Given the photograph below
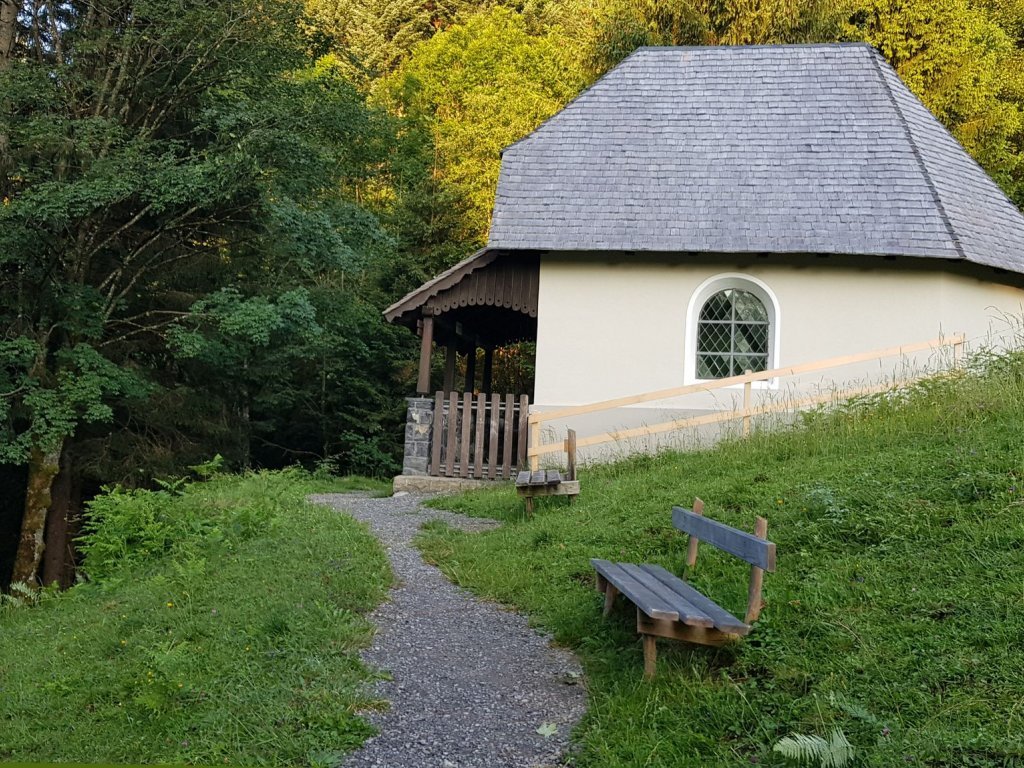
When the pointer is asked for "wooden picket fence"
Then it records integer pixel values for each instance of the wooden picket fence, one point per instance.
(480, 436)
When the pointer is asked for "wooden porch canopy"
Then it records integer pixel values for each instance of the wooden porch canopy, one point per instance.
(488, 300)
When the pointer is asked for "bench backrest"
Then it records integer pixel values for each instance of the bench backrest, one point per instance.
(746, 546)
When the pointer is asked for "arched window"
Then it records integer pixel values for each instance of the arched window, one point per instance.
(732, 335)
(732, 324)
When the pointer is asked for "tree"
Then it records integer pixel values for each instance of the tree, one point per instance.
(481, 85)
(154, 154)
(371, 38)
(624, 25)
(962, 59)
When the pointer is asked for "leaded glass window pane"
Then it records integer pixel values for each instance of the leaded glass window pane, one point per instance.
(732, 335)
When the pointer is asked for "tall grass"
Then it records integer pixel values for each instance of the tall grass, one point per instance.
(222, 626)
(896, 614)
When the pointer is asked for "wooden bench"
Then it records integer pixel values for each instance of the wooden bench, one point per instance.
(666, 606)
(550, 482)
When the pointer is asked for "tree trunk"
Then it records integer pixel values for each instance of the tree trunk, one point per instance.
(43, 467)
(58, 562)
(8, 30)
(8, 27)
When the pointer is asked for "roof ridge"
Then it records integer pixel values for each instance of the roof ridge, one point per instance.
(645, 48)
(754, 46)
(953, 236)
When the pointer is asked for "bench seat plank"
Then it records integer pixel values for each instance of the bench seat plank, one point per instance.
(564, 488)
(523, 478)
(647, 601)
(538, 478)
(723, 620)
(554, 477)
(689, 614)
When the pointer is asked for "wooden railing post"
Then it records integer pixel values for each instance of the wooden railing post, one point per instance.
(534, 444)
(958, 351)
(523, 430)
(747, 387)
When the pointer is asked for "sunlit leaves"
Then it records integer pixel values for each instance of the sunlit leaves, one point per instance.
(483, 85)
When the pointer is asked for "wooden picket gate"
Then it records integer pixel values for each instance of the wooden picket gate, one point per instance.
(478, 436)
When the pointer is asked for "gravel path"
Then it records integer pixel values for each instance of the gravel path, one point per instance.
(471, 682)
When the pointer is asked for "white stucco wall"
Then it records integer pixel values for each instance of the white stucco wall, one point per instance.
(613, 330)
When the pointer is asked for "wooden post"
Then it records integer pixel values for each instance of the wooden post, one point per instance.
(492, 444)
(522, 430)
(958, 352)
(534, 443)
(570, 455)
(437, 436)
(650, 656)
(756, 577)
(449, 367)
(510, 424)
(747, 386)
(610, 593)
(426, 347)
(691, 546)
(471, 369)
(453, 434)
(478, 453)
(467, 430)
(485, 385)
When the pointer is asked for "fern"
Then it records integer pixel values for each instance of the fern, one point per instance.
(21, 595)
(808, 749)
(853, 709)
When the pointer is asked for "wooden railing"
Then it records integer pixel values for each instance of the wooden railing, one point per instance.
(537, 448)
(478, 436)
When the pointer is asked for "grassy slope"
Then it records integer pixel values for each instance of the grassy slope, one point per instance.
(897, 611)
(239, 646)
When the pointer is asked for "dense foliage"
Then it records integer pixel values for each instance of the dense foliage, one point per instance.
(222, 624)
(894, 614)
(204, 207)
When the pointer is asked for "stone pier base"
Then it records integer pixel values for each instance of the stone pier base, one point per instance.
(427, 484)
(418, 424)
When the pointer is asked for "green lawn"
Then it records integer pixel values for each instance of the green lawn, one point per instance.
(896, 614)
(224, 628)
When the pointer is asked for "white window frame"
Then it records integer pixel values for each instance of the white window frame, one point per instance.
(709, 288)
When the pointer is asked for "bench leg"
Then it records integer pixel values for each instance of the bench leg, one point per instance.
(650, 656)
(529, 506)
(610, 593)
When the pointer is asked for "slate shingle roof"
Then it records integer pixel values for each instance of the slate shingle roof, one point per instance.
(768, 149)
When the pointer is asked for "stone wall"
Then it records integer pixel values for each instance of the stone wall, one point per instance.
(418, 425)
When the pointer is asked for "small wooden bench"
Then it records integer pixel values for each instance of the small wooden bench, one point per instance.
(666, 606)
(550, 482)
